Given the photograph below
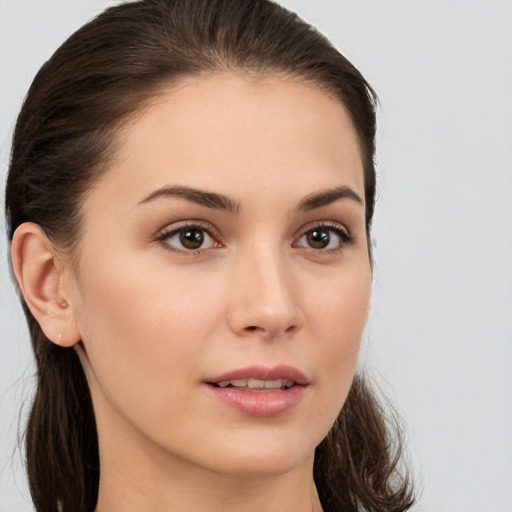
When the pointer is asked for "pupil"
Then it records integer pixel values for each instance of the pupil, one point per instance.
(318, 239)
(192, 238)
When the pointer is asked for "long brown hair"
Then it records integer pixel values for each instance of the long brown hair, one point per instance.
(65, 138)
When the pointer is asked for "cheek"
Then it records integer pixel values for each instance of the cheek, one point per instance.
(338, 317)
(339, 308)
(142, 335)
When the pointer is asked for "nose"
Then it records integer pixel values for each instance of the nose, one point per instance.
(264, 299)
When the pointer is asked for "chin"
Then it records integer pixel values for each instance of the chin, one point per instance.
(263, 455)
(264, 464)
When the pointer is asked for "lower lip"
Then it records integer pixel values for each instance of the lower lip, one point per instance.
(266, 404)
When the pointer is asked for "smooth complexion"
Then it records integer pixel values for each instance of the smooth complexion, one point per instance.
(227, 239)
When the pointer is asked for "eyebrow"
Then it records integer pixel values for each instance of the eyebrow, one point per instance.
(208, 199)
(327, 197)
(225, 203)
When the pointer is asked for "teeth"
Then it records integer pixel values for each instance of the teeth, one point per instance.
(274, 384)
(257, 384)
(254, 383)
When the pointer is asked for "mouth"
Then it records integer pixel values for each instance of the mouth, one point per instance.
(256, 384)
(260, 392)
(260, 378)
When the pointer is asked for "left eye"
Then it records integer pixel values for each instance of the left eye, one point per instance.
(189, 238)
(321, 238)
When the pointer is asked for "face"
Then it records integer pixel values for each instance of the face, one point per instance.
(223, 280)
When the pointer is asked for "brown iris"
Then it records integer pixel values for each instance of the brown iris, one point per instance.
(318, 238)
(192, 238)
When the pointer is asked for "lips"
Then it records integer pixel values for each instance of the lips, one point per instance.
(259, 391)
(260, 373)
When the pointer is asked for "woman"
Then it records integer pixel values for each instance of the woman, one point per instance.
(189, 203)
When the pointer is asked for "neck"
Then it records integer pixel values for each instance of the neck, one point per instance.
(135, 488)
(138, 476)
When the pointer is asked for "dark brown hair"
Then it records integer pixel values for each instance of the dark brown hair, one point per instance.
(65, 138)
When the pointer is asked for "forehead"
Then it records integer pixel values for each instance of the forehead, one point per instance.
(235, 134)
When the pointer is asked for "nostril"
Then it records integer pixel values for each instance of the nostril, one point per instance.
(254, 328)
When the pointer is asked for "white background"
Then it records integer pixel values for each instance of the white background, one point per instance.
(440, 334)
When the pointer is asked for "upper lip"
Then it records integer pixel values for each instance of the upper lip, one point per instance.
(262, 373)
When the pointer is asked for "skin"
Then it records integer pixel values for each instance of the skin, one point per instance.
(152, 319)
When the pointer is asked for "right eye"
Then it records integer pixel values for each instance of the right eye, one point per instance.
(188, 239)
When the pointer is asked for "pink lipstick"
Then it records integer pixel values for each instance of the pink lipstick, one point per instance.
(259, 391)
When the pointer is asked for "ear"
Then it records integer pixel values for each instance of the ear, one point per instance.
(38, 267)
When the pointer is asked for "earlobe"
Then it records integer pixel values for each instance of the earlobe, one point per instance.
(39, 277)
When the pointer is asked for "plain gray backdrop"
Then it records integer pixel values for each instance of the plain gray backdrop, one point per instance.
(440, 333)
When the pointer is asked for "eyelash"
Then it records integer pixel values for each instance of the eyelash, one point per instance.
(340, 231)
(173, 230)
